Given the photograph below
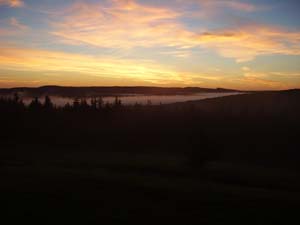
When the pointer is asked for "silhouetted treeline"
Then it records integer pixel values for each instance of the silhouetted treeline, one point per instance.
(37, 104)
(228, 160)
(263, 124)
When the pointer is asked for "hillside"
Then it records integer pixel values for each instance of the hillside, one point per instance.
(232, 160)
(106, 91)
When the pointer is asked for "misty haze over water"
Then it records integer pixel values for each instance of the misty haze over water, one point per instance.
(137, 99)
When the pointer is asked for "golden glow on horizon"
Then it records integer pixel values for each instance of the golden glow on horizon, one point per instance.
(148, 44)
(51, 61)
(137, 72)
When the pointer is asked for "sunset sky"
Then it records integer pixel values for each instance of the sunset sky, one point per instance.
(236, 44)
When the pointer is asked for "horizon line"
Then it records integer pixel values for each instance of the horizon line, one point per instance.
(143, 86)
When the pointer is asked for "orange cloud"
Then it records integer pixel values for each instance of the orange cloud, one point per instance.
(122, 24)
(128, 24)
(268, 80)
(24, 59)
(245, 43)
(12, 3)
(78, 69)
(286, 74)
(254, 83)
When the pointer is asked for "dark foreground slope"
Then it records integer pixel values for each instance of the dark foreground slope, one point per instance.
(231, 160)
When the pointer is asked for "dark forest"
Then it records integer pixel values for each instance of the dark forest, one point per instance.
(228, 160)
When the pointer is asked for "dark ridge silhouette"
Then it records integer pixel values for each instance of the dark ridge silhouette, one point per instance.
(107, 91)
(229, 160)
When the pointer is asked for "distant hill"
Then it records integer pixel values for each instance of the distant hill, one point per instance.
(107, 91)
(255, 102)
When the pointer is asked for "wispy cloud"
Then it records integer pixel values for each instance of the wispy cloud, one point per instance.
(286, 74)
(120, 24)
(128, 24)
(268, 80)
(245, 43)
(231, 4)
(245, 68)
(178, 53)
(12, 3)
(24, 59)
(179, 46)
(255, 83)
(12, 27)
(242, 6)
(16, 23)
(116, 71)
(6, 32)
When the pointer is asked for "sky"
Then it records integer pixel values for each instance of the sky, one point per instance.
(238, 44)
